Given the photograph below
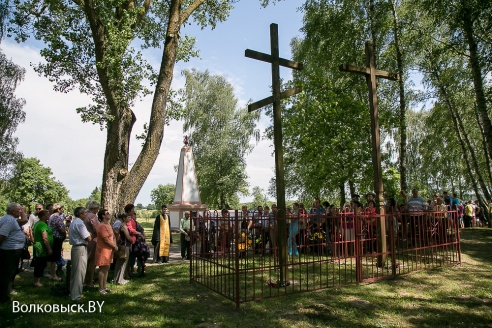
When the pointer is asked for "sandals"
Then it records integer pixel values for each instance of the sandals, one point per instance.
(38, 284)
(56, 279)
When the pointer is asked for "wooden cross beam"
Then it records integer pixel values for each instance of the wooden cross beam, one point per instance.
(371, 74)
(276, 62)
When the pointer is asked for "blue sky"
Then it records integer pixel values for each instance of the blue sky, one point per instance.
(54, 133)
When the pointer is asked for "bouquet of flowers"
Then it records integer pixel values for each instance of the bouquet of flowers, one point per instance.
(245, 241)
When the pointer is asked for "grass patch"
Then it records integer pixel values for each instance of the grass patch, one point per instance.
(458, 296)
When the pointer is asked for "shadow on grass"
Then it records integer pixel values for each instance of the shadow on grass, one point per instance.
(447, 297)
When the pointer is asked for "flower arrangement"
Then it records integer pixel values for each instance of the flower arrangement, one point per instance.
(317, 236)
(245, 242)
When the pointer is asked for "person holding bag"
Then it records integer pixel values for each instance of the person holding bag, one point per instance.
(124, 239)
(57, 226)
(42, 247)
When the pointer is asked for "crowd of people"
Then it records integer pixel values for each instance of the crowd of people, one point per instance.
(415, 219)
(117, 241)
(94, 243)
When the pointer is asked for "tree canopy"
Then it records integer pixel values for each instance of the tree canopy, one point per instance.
(99, 48)
(220, 134)
(11, 114)
(162, 195)
(31, 182)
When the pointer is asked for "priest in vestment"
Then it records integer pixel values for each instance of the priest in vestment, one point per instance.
(161, 236)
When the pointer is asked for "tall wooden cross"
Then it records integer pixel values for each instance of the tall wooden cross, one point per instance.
(371, 74)
(276, 62)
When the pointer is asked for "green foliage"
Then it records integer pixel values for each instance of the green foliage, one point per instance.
(11, 113)
(220, 135)
(96, 194)
(440, 47)
(327, 127)
(391, 181)
(259, 198)
(162, 195)
(31, 182)
(147, 214)
(71, 205)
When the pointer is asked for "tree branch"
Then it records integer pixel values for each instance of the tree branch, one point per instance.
(191, 8)
(146, 6)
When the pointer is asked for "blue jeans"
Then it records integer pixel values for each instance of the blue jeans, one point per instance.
(291, 242)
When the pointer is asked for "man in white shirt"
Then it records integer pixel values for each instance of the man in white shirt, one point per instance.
(79, 237)
(33, 218)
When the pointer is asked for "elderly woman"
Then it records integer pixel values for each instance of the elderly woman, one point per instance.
(91, 222)
(42, 247)
(12, 241)
(122, 237)
(57, 226)
(104, 249)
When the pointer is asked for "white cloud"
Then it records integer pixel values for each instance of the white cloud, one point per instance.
(54, 133)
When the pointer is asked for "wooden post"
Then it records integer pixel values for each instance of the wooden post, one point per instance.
(371, 74)
(279, 155)
(276, 61)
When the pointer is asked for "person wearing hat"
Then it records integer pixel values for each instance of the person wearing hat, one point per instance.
(57, 226)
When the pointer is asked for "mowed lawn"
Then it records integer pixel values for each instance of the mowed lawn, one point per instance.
(458, 296)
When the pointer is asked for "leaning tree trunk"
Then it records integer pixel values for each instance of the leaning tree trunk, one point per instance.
(133, 182)
(120, 127)
(116, 159)
(121, 187)
(477, 76)
(403, 121)
(485, 150)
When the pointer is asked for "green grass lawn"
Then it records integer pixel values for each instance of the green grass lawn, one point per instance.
(459, 296)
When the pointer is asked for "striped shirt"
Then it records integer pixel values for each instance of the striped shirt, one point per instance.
(14, 236)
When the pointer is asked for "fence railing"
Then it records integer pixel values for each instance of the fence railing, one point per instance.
(237, 256)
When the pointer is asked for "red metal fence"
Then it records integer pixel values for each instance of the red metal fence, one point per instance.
(238, 258)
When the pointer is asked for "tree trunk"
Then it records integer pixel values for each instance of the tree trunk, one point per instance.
(121, 187)
(485, 150)
(463, 138)
(352, 188)
(403, 122)
(477, 75)
(342, 195)
(116, 160)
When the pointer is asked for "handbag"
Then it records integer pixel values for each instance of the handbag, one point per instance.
(25, 255)
(120, 254)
